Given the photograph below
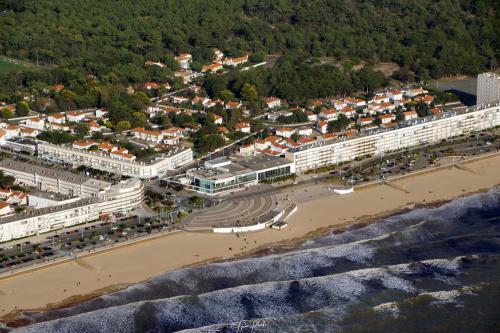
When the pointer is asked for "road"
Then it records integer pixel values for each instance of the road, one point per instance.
(77, 239)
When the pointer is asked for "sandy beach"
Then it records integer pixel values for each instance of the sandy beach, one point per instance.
(111, 270)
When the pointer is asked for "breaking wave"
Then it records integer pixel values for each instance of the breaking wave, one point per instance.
(435, 261)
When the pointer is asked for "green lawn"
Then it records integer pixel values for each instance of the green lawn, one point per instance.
(7, 66)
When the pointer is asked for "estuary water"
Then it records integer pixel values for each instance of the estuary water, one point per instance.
(429, 269)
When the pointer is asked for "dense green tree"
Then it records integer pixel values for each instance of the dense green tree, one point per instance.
(209, 143)
(7, 114)
(123, 125)
(81, 129)
(22, 109)
(139, 119)
(249, 93)
(226, 95)
(6, 181)
(57, 137)
(339, 125)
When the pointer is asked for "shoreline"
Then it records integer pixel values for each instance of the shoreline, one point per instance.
(54, 286)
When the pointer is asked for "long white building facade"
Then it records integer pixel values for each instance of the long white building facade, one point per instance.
(55, 181)
(408, 134)
(97, 160)
(123, 197)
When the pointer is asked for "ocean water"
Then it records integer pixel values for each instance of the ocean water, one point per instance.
(433, 269)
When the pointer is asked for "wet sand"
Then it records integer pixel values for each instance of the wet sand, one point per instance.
(93, 275)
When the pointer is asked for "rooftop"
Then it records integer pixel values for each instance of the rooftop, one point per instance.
(53, 173)
(262, 162)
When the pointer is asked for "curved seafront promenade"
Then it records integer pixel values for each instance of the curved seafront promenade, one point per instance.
(317, 212)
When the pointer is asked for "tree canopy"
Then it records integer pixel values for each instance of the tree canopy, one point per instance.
(112, 42)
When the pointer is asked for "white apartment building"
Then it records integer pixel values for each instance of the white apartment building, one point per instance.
(102, 161)
(56, 181)
(488, 89)
(379, 141)
(123, 197)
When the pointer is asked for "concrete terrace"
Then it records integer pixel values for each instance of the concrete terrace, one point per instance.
(238, 212)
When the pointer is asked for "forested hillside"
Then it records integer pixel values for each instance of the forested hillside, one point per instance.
(111, 39)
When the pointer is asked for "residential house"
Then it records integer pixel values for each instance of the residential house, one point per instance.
(75, 116)
(219, 55)
(83, 144)
(174, 132)
(371, 109)
(151, 85)
(184, 60)
(365, 121)
(212, 68)
(436, 111)
(273, 116)
(179, 99)
(147, 135)
(306, 140)
(27, 131)
(185, 75)
(94, 127)
(58, 87)
(379, 99)
(427, 99)
(231, 105)
(386, 118)
(170, 110)
(243, 127)
(272, 102)
(57, 127)
(328, 136)
(411, 93)
(329, 114)
(355, 102)
(218, 120)
(322, 127)
(348, 112)
(14, 197)
(107, 147)
(395, 95)
(388, 106)
(304, 131)
(4, 208)
(409, 115)
(36, 123)
(101, 113)
(261, 144)
(247, 150)
(12, 130)
(285, 132)
(290, 143)
(123, 155)
(315, 103)
(222, 130)
(311, 116)
(172, 140)
(152, 63)
(211, 103)
(279, 148)
(338, 104)
(57, 118)
(233, 62)
(200, 100)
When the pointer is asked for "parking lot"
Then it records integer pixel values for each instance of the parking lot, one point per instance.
(77, 240)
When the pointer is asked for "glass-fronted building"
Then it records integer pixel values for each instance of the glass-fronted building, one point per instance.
(223, 175)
